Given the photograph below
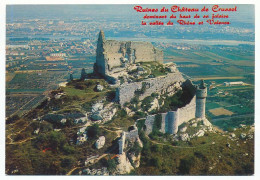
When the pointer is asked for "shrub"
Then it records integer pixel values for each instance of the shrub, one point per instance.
(121, 113)
(12, 119)
(68, 149)
(111, 95)
(54, 140)
(111, 165)
(67, 162)
(146, 103)
(155, 148)
(93, 131)
(136, 148)
(186, 164)
(140, 124)
(156, 162)
(134, 100)
(138, 115)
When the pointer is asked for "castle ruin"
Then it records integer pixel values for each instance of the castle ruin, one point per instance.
(113, 59)
(113, 56)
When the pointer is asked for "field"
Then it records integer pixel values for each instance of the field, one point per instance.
(9, 76)
(25, 90)
(220, 111)
(213, 61)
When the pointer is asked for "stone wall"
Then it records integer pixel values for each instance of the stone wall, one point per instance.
(186, 113)
(149, 123)
(172, 119)
(113, 54)
(132, 136)
(160, 85)
(121, 143)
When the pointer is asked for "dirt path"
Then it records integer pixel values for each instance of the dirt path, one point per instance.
(72, 170)
(155, 142)
(118, 131)
(19, 142)
(11, 134)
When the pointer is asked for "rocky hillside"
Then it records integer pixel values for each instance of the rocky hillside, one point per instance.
(75, 131)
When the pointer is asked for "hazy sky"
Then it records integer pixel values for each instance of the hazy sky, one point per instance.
(245, 13)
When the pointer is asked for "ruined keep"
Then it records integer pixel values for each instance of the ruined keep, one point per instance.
(112, 55)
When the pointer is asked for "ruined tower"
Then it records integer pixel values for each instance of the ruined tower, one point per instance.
(121, 143)
(100, 65)
(201, 95)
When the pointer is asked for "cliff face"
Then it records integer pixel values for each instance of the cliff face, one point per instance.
(113, 54)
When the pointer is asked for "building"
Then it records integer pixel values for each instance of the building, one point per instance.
(238, 83)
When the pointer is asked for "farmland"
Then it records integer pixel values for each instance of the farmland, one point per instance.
(216, 65)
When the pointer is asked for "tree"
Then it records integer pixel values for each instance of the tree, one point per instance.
(83, 74)
(71, 77)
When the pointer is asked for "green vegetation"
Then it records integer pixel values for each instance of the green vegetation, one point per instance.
(156, 127)
(186, 165)
(111, 165)
(93, 131)
(54, 141)
(146, 103)
(210, 61)
(198, 157)
(120, 120)
(83, 75)
(141, 91)
(52, 152)
(173, 102)
(155, 68)
(55, 152)
(140, 124)
(234, 122)
(136, 149)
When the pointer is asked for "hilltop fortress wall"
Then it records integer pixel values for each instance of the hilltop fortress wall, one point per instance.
(164, 84)
(172, 119)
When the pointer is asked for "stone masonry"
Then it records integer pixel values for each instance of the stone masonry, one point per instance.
(159, 85)
(172, 119)
(111, 54)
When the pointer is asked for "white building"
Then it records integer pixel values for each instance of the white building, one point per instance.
(234, 83)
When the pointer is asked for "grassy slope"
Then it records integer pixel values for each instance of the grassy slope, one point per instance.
(199, 157)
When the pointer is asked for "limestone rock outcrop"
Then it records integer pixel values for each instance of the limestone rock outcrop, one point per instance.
(100, 142)
(124, 165)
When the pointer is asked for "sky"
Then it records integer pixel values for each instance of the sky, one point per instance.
(245, 12)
